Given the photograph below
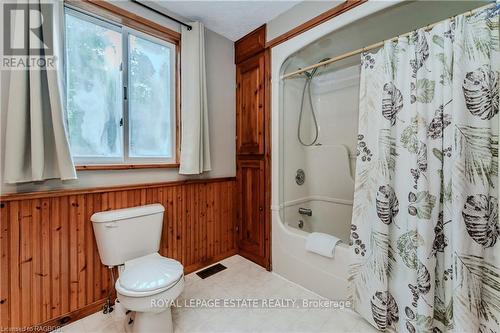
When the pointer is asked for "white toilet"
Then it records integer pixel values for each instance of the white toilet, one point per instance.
(148, 283)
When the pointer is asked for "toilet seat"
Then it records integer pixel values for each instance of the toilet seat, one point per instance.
(148, 275)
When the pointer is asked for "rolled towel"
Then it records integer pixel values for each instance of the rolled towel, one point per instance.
(322, 244)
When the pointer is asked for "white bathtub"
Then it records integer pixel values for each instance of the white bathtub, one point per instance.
(329, 215)
(327, 277)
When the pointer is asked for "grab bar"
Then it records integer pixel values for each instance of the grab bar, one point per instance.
(305, 211)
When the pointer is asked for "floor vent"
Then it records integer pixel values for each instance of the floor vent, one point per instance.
(211, 271)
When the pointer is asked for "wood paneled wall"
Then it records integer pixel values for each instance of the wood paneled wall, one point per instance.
(50, 267)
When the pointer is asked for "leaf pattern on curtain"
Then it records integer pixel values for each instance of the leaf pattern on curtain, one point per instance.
(440, 240)
(481, 92)
(438, 123)
(421, 51)
(387, 204)
(425, 91)
(425, 230)
(478, 148)
(421, 204)
(384, 309)
(423, 279)
(392, 102)
(480, 215)
(407, 245)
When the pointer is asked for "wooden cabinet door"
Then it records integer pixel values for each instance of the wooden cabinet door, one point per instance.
(251, 188)
(250, 44)
(250, 105)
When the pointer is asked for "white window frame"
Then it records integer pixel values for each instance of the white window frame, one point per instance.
(150, 160)
(125, 31)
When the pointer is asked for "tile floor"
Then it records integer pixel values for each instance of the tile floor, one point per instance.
(241, 279)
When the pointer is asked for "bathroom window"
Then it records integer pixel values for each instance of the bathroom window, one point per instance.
(120, 94)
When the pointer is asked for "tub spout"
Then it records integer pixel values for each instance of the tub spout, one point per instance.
(305, 211)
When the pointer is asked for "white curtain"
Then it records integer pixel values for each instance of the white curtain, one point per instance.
(36, 145)
(195, 145)
(425, 232)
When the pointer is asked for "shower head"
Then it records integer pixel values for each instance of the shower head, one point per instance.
(310, 75)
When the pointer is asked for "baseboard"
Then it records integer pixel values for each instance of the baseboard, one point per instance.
(210, 261)
(63, 320)
(256, 259)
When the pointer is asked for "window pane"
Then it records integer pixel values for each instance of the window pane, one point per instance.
(94, 88)
(150, 100)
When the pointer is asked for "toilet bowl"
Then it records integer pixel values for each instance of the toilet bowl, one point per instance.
(148, 283)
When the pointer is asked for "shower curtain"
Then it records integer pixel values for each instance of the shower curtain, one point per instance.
(425, 232)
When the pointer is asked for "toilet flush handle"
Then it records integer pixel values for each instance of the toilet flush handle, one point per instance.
(111, 225)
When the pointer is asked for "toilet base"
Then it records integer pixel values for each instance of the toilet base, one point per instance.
(151, 314)
(151, 322)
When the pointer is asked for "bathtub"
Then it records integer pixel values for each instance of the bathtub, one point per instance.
(329, 215)
(324, 276)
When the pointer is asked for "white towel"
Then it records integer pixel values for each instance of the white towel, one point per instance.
(322, 244)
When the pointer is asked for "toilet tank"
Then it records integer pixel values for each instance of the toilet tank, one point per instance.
(128, 233)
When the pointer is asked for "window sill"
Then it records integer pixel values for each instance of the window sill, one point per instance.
(126, 166)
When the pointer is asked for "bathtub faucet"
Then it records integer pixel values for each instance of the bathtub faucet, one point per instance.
(305, 211)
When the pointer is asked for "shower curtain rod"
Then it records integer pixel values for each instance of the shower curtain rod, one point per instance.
(372, 46)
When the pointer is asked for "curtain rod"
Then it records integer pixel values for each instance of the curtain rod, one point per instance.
(162, 14)
(372, 46)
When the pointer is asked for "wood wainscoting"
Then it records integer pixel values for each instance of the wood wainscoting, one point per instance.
(51, 273)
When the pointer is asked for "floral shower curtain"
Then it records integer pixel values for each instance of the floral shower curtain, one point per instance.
(425, 232)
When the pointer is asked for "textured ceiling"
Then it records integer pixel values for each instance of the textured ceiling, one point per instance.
(231, 19)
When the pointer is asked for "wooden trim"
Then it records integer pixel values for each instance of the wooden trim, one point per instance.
(251, 44)
(256, 31)
(194, 267)
(119, 15)
(65, 192)
(267, 160)
(125, 166)
(178, 119)
(329, 14)
(56, 323)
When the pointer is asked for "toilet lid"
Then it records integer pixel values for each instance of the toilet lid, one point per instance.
(150, 273)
